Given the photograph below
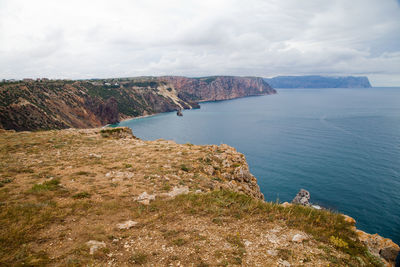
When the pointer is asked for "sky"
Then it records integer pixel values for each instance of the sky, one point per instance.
(125, 38)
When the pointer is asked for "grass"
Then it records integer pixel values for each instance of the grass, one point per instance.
(37, 217)
(179, 242)
(5, 181)
(50, 185)
(138, 258)
(81, 195)
(321, 224)
(185, 168)
(23, 222)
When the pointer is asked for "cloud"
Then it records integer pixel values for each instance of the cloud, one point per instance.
(82, 39)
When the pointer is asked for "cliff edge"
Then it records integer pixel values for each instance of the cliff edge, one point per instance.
(103, 197)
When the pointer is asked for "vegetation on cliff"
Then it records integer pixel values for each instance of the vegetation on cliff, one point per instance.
(102, 196)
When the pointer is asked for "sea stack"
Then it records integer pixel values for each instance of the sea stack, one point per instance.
(302, 198)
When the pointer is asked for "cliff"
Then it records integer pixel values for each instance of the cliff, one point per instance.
(94, 103)
(99, 197)
(318, 82)
(215, 88)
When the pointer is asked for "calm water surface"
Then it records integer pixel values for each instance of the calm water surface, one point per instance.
(343, 145)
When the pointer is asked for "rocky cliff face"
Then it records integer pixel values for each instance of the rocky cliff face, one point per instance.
(218, 87)
(83, 104)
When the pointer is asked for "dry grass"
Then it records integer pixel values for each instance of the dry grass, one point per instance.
(60, 189)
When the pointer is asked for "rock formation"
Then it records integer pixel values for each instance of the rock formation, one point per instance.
(302, 198)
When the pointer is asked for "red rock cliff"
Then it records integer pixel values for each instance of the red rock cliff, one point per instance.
(218, 87)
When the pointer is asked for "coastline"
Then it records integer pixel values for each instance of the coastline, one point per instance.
(199, 101)
(133, 118)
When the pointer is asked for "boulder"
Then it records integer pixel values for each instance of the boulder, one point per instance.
(302, 198)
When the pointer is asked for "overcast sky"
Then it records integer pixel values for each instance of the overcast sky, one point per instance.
(120, 38)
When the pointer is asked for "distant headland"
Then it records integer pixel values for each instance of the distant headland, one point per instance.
(316, 81)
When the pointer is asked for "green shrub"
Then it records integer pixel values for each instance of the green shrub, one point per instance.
(81, 195)
(338, 242)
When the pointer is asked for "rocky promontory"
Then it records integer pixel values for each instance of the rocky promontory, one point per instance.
(102, 197)
(58, 104)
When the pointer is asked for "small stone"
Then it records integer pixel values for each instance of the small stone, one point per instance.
(272, 252)
(178, 191)
(145, 198)
(299, 238)
(285, 264)
(247, 243)
(208, 169)
(95, 245)
(92, 155)
(272, 238)
(126, 225)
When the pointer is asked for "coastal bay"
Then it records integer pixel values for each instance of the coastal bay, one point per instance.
(340, 144)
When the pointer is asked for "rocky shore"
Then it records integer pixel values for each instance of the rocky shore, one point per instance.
(379, 246)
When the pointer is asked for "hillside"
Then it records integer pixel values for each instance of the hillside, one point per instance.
(318, 82)
(99, 197)
(93, 103)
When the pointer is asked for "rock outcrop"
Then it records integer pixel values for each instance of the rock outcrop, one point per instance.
(379, 246)
(93, 103)
(302, 198)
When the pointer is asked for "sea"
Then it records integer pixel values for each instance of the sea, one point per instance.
(342, 145)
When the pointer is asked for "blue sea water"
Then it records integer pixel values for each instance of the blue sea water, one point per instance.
(342, 145)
